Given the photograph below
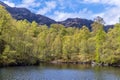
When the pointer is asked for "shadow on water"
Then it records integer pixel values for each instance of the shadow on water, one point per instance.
(60, 72)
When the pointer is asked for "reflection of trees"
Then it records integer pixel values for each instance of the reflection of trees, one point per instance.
(4, 75)
(98, 73)
(67, 66)
(106, 73)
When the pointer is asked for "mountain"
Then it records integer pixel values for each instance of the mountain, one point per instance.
(76, 22)
(23, 13)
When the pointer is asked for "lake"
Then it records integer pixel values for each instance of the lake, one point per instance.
(59, 72)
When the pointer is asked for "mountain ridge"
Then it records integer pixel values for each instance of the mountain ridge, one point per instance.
(23, 13)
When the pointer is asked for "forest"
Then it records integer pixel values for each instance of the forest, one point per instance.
(25, 43)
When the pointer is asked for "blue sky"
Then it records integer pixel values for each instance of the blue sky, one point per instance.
(62, 9)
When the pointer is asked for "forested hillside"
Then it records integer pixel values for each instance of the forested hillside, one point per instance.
(24, 43)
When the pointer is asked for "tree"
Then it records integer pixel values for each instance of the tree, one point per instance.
(99, 20)
(97, 25)
(112, 46)
(56, 47)
(100, 38)
(5, 25)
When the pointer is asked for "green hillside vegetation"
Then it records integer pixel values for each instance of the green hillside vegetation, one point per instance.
(24, 43)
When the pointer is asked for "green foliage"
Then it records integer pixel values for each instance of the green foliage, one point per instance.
(24, 43)
(100, 38)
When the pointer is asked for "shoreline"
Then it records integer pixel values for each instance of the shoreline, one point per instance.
(92, 63)
(64, 62)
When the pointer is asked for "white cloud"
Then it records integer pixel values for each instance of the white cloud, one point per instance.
(49, 6)
(9, 3)
(59, 16)
(92, 1)
(28, 1)
(109, 2)
(111, 16)
(29, 4)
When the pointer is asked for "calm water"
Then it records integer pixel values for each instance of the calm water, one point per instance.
(59, 72)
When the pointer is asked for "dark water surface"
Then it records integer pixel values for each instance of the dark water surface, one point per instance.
(59, 72)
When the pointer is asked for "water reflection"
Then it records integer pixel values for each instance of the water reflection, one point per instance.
(59, 72)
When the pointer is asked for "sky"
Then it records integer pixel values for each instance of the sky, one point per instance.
(62, 9)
